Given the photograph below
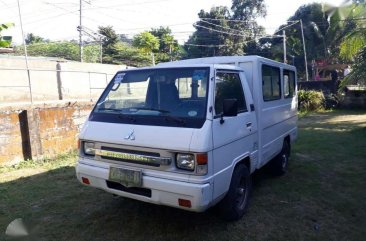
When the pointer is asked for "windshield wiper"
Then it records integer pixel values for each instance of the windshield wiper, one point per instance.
(152, 109)
(128, 117)
(175, 119)
(111, 109)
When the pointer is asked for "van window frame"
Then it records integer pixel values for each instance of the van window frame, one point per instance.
(151, 120)
(273, 98)
(293, 93)
(218, 115)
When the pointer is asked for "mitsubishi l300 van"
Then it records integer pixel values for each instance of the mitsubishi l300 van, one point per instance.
(189, 134)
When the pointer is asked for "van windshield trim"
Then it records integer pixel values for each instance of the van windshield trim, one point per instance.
(134, 107)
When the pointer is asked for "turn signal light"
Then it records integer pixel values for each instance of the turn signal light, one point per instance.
(202, 159)
(184, 203)
(85, 180)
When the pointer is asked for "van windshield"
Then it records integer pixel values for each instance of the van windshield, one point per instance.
(164, 97)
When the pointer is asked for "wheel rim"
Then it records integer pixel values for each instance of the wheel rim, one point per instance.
(241, 193)
(284, 161)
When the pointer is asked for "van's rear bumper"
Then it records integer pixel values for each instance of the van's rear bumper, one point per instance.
(163, 191)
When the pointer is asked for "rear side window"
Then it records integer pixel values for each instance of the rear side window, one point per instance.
(289, 83)
(228, 86)
(271, 83)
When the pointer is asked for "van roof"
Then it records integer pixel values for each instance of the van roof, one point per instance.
(225, 60)
(187, 65)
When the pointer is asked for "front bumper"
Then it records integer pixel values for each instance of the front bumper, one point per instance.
(163, 191)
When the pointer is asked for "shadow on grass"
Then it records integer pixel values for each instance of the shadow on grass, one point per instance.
(55, 206)
(321, 198)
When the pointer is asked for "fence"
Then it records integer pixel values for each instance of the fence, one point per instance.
(48, 85)
(47, 80)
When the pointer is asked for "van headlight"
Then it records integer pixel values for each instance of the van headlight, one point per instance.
(185, 161)
(89, 148)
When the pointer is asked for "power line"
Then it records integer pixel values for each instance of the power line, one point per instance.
(43, 19)
(230, 20)
(125, 5)
(218, 31)
(286, 27)
(240, 31)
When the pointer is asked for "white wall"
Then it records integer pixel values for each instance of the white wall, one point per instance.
(74, 80)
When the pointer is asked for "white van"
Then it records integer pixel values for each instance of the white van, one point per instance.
(189, 134)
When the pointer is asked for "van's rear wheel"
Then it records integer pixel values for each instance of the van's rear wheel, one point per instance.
(235, 203)
(279, 165)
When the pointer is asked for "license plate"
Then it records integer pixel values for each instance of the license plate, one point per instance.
(128, 178)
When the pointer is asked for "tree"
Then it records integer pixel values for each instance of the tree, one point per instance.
(32, 39)
(110, 36)
(358, 73)
(355, 38)
(66, 50)
(226, 32)
(353, 46)
(168, 47)
(5, 41)
(128, 55)
(146, 42)
(118, 50)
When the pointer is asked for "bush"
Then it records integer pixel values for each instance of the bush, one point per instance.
(310, 100)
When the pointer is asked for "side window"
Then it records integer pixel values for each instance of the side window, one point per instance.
(228, 86)
(271, 83)
(289, 83)
(184, 87)
(185, 90)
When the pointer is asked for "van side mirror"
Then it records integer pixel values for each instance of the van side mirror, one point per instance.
(230, 107)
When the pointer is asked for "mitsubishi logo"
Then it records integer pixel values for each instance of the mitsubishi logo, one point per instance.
(130, 136)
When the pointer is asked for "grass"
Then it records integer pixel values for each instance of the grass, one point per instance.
(321, 198)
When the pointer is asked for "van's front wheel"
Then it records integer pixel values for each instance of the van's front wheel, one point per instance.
(235, 203)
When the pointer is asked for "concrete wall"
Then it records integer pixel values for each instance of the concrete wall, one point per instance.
(10, 138)
(354, 98)
(34, 132)
(52, 79)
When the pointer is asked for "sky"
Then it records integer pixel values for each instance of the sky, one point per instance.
(58, 19)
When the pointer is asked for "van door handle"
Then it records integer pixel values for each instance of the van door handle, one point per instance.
(249, 124)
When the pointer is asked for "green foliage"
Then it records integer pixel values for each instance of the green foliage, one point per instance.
(116, 51)
(65, 50)
(126, 54)
(358, 73)
(146, 42)
(310, 100)
(315, 32)
(168, 47)
(5, 41)
(224, 32)
(110, 36)
(32, 39)
(355, 38)
(4, 26)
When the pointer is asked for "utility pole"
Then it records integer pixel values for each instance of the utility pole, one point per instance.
(25, 55)
(284, 47)
(81, 32)
(303, 44)
(97, 37)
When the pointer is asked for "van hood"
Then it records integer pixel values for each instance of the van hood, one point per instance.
(160, 137)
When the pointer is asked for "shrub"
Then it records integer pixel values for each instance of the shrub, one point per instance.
(310, 100)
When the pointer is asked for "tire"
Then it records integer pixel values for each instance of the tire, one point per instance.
(279, 165)
(235, 203)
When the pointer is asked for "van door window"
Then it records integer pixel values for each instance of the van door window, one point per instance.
(228, 86)
(271, 84)
(289, 83)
